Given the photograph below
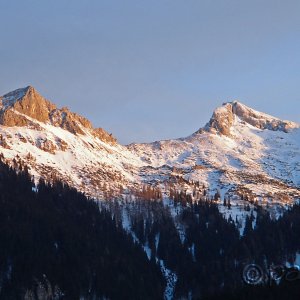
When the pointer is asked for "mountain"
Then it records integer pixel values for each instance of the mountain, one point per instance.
(56, 143)
(240, 153)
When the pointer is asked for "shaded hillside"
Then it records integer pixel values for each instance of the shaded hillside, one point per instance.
(56, 243)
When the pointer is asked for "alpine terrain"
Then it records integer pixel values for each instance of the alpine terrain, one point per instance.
(214, 215)
(241, 154)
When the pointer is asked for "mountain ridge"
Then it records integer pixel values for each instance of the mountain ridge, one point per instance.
(27, 101)
(18, 104)
(239, 152)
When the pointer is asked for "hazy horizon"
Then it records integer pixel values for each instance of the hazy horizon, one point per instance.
(150, 71)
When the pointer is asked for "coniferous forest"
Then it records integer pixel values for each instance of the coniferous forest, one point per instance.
(58, 244)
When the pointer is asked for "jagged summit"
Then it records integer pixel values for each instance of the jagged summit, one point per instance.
(223, 119)
(23, 103)
(25, 106)
(28, 92)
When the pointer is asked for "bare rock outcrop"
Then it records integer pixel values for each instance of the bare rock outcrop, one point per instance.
(23, 107)
(3, 142)
(223, 118)
(65, 119)
(46, 145)
(11, 118)
(104, 136)
(35, 106)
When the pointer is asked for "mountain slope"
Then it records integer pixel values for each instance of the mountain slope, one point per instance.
(58, 143)
(241, 153)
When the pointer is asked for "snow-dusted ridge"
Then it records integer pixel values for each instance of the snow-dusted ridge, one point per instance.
(239, 151)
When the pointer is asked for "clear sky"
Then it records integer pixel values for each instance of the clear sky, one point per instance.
(149, 70)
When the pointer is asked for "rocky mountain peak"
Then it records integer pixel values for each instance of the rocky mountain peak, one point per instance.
(33, 105)
(224, 117)
(26, 107)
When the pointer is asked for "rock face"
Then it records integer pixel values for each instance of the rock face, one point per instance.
(260, 120)
(223, 118)
(20, 104)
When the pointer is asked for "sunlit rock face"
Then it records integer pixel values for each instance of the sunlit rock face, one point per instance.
(221, 120)
(20, 104)
(224, 116)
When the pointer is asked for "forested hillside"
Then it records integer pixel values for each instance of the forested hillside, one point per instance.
(57, 244)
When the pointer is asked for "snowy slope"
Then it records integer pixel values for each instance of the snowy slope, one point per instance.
(232, 155)
(239, 152)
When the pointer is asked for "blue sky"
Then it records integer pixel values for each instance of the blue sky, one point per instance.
(149, 70)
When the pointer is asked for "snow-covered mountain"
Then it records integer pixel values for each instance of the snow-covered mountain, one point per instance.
(241, 153)
(56, 143)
